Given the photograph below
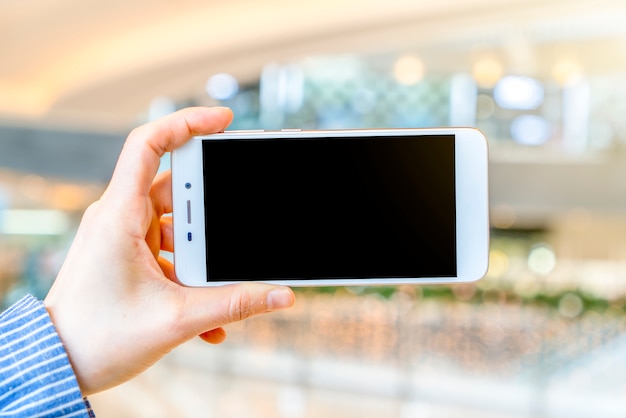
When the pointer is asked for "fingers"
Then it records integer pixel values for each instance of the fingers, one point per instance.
(214, 307)
(214, 336)
(168, 269)
(140, 157)
(167, 234)
(161, 193)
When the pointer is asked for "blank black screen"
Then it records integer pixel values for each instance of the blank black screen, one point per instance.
(330, 208)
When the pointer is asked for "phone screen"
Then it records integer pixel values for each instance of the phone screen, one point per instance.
(330, 208)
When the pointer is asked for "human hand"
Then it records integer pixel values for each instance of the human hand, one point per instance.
(116, 304)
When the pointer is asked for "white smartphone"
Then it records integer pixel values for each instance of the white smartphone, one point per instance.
(334, 207)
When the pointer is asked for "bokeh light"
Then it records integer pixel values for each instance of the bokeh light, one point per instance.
(408, 69)
(567, 71)
(541, 259)
(531, 130)
(498, 263)
(570, 305)
(503, 216)
(222, 86)
(518, 93)
(487, 71)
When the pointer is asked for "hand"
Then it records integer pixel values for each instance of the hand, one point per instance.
(116, 304)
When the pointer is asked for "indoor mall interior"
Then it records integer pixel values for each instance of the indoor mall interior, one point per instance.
(543, 334)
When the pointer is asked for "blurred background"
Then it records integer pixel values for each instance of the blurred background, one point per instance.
(542, 335)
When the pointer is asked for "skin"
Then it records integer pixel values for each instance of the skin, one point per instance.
(116, 304)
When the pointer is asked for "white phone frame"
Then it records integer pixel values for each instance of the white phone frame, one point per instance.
(472, 207)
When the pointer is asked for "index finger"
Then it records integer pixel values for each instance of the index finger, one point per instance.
(139, 160)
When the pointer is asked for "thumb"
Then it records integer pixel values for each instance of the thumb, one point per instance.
(213, 307)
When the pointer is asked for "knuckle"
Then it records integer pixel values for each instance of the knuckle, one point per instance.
(241, 306)
(91, 210)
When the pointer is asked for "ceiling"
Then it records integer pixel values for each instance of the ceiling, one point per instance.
(98, 65)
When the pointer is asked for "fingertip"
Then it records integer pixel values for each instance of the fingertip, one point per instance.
(141, 155)
(280, 298)
(227, 112)
(208, 120)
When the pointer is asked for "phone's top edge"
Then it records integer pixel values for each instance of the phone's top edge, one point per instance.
(354, 131)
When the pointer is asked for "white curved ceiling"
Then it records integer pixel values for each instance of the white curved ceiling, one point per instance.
(99, 64)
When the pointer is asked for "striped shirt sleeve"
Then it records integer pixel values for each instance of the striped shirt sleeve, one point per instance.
(36, 378)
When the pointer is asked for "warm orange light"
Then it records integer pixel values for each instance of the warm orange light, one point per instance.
(69, 197)
(498, 264)
(487, 71)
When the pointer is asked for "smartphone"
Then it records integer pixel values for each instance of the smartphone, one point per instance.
(331, 207)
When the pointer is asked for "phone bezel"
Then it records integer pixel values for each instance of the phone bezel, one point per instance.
(472, 214)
